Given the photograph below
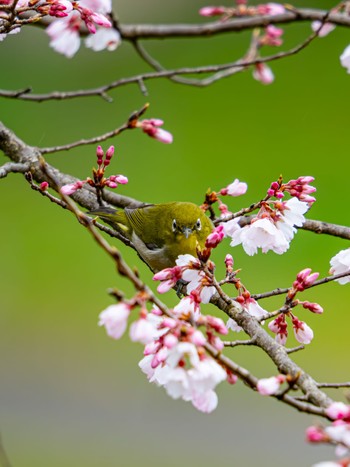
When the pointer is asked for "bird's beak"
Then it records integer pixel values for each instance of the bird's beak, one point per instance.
(187, 231)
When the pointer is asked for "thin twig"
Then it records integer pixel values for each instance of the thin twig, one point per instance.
(84, 142)
(334, 385)
(280, 291)
(243, 342)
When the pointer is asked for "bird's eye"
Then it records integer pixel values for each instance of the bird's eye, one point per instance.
(198, 224)
(174, 225)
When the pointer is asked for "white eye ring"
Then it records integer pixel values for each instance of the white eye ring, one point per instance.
(198, 224)
(174, 225)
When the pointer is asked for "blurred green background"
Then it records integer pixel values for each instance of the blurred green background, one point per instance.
(70, 396)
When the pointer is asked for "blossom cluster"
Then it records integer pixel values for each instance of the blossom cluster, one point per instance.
(273, 227)
(338, 434)
(70, 17)
(302, 332)
(99, 181)
(174, 354)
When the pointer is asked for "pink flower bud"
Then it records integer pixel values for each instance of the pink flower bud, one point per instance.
(215, 237)
(44, 186)
(121, 179)
(314, 307)
(231, 377)
(198, 338)
(109, 154)
(71, 188)
(150, 127)
(229, 261)
(212, 11)
(99, 155)
(315, 434)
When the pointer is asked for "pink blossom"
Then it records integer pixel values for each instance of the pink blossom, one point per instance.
(272, 36)
(115, 318)
(323, 29)
(64, 34)
(169, 278)
(236, 188)
(144, 330)
(345, 58)
(197, 338)
(198, 281)
(170, 340)
(270, 386)
(303, 333)
(212, 10)
(292, 214)
(230, 227)
(151, 128)
(338, 411)
(261, 233)
(189, 305)
(205, 402)
(184, 375)
(340, 264)
(263, 73)
(279, 327)
(254, 309)
(108, 39)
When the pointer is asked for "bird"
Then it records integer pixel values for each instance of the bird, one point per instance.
(160, 232)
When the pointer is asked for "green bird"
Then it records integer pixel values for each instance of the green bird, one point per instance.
(161, 232)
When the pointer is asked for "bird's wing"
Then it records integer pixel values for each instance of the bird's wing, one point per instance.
(144, 224)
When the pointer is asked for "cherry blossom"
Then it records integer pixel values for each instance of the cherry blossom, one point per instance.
(261, 233)
(269, 386)
(302, 332)
(108, 39)
(65, 31)
(279, 327)
(236, 188)
(340, 263)
(115, 318)
(193, 381)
